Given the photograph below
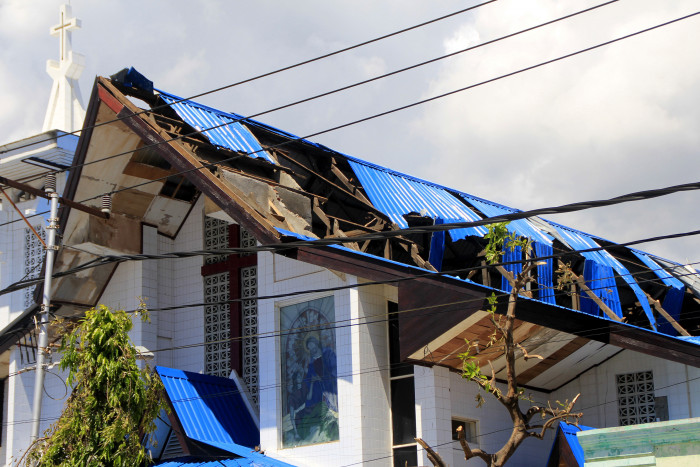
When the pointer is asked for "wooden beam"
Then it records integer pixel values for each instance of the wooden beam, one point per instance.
(485, 277)
(344, 180)
(67, 202)
(511, 280)
(667, 316)
(582, 284)
(366, 204)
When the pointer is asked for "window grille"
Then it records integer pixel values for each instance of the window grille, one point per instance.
(635, 398)
(247, 240)
(249, 288)
(217, 325)
(33, 259)
(215, 238)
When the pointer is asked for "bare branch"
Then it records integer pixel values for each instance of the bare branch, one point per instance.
(433, 456)
(526, 355)
(463, 442)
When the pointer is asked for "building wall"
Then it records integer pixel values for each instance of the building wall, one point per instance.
(362, 364)
(598, 389)
(442, 395)
(673, 443)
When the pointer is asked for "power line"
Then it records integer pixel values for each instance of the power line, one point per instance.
(414, 104)
(424, 311)
(511, 428)
(344, 88)
(104, 260)
(273, 72)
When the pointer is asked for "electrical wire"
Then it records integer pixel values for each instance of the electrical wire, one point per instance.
(345, 88)
(274, 72)
(424, 311)
(397, 109)
(104, 260)
(511, 428)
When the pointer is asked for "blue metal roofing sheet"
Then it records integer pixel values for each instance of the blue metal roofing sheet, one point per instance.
(660, 272)
(522, 227)
(210, 409)
(397, 194)
(569, 432)
(694, 340)
(581, 241)
(253, 461)
(221, 128)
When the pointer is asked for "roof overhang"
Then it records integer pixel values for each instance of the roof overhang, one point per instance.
(438, 312)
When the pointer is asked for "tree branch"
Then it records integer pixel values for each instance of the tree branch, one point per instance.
(433, 456)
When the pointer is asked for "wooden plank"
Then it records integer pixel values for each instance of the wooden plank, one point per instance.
(552, 359)
(582, 284)
(42, 194)
(344, 180)
(657, 306)
(365, 203)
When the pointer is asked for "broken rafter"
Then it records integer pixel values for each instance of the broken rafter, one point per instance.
(360, 199)
(67, 202)
(345, 181)
(582, 284)
(657, 306)
(511, 280)
(271, 182)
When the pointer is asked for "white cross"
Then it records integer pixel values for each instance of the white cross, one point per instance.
(63, 30)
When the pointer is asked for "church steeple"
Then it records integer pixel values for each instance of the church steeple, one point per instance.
(66, 110)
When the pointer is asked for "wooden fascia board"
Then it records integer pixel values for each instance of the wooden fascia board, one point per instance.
(80, 154)
(192, 168)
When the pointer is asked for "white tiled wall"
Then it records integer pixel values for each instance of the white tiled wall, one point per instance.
(598, 388)
(362, 359)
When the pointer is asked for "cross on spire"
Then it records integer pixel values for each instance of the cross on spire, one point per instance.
(63, 30)
(65, 111)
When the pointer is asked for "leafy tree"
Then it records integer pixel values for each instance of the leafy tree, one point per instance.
(113, 403)
(536, 419)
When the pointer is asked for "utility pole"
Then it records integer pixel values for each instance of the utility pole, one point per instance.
(43, 343)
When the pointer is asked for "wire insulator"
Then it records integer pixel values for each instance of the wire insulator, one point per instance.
(106, 203)
(50, 185)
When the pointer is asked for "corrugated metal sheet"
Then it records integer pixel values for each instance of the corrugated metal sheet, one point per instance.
(673, 300)
(232, 135)
(580, 241)
(521, 227)
(210, 409)
(397, 194)
(259, 461)
(569, 432)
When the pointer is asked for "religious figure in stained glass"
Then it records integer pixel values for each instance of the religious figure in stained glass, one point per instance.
(309, 373)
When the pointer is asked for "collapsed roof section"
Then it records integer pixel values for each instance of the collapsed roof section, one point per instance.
(160, 160)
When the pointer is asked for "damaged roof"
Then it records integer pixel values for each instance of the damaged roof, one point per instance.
(281, 187)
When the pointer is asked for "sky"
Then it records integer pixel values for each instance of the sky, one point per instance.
(615, 120)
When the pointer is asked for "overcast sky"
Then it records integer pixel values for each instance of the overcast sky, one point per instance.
(623, 118)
